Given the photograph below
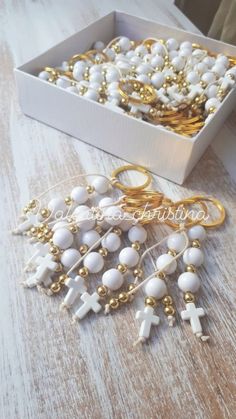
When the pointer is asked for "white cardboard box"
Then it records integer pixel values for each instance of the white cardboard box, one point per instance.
(165, 153)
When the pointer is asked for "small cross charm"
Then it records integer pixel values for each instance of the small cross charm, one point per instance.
(193, 314)
(195, 90)
(148, 319)
(161, 94)
(77, 286)
(30, 220)
(90, 303)
(46, 266)
(41, 250)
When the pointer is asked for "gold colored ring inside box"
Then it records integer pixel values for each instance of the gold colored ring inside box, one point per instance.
(125, 188)
(149, 94)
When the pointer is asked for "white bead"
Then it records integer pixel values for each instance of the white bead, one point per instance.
(44, 75)
(163, 260)
(96, 77)
(176, 242)
(173, 54)
(112, 279)
(158, 48)
(112, 75)
(137, 233)
(57, 204)
(212, 103)
(141, 49)
(193, 77)
(79, 194)
(80, 209)
(124, 43)
(219, 69)
(222, 59)
(113, 215)
(62, 238)
(111, 242)
(193, 256)
(92, 95)
(158, 79)
(178, 63)
(157, 61)
(156, 288)
(198, 54)
(197, 233)
(209, 61)
(60, 224)
(143, 78)
(85, 220)
(124, 67)
(129, 256)
(143, 69)
(63, 82)
(100, 184)
(110, 53)
(94, 262)
(185, 53)
(135, 60)
(208, 77)
(130, 54)
(70, 257)
(94, 85)
(127, 222)
(212, 91)
(96, 68)
(105, 202)
(201, 68)
(90, 238)
(172, 44)
(78, 70)
(209, 118)
(188, 282)
(186, 45)
(99, 45)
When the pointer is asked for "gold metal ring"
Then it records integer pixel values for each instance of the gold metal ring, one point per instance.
(219, 221)
(147, 92)
(136, 168)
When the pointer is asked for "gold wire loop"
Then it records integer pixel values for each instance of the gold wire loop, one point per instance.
(219, 206)
(129, 189)
(145, 91)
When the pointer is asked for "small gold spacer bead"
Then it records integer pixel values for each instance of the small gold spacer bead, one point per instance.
(189, 297)
(117, 231)
(59, 268)
(138, 272)
(171, 252)
(122, 268)
(101, 100)
(150, 301)
(49, 235)
(136, 245)
(34, 231)
(103, 252)
(212, 109)
(54, 250)
(191, 268)
(83, 249)
(169, 310)
(45, 212)
(55, 287)
(26, 210)
(32, 204)
(98, 229)
(68, 200)
(102, 290)
(83, 272)
(131, 287)
(196, 243)
(123, 297)
(63, 278)
(90, 189)
(167, 300)
(114, 303)
(161, 275)
(40, 236)
(73, 228)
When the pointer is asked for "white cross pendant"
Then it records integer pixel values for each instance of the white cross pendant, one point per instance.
(148, 319)
(193, 314)
(195, 90)
(30, 220)
(41, 250)
(90, 304)
(76, 287)
(46, 266)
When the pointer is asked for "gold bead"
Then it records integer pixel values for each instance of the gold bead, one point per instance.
(32, 204)
(114, 303)
(83, 249)
(26, 210)
(123, 297)
(103, 252)
(131, 287)
(167, 300)
(55, 287)
(169, 310)
(63, 278)
(83, 272)
(90, 189)
(161, 275)
(196, 243)
(168, 78)
(101, 100)
(150, 301)
(150, 75)
(49, 235)
(138, 272)
(189, 297)
(104, 72)
(45, 212)
(101, 90)
(59, 267)
(40, 236)
(98, 229)
(171, 252)
(34, 231)
(136, 245)
(164, 86)
(212, 109)
(73, 228)
(122, 268)
(102, 290)
(191, 268)
(68, 200)
(181, 73)
(117, 231)
(54, 250)
(124, 101)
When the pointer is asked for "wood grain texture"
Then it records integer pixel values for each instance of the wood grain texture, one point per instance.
(50, 368)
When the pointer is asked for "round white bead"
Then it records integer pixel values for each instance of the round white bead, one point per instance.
(113, 215)
(60, 224)
(208, 77)
(137, 233)
(178, 63)
(222, 59)
(80, 209)
(130, 54)
(212, 103)
(135, 60)
(105, 202)
(127, 222)
(44, 75)
(100, 184)
(172, 44)
(124, 67)
(219, 69)
(112, 279)
(199, 54)
(143, 78)
(129, 256)
(197, 233)
(111, 242)
(173, 54)
(156, 288)
(96, 68)
(209, 61)
(201, 68)
(176, 242)
(124, 43)
(94, 85)
(110, 53)
(193, 256)
(158, 49)
(85, 220)
(185, 53)
(186, 45)
(143, 69)
(90, 238)
(92, 95)
(163, 260)
(112, 75)
(70, 257)
(99, 45)
(193, 77)
(79, 194)
(96, 77)
(57, 204)
(94, 262)
(141, 49)
(62, 238)
(63, 82)
(78, 70)
(157, 61)
(212, 91)
(188, 282)
(158, 79)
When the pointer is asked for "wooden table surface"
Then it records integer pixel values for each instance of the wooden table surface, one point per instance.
(50, 368)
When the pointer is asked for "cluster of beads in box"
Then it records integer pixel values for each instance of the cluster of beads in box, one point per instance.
(178, 85)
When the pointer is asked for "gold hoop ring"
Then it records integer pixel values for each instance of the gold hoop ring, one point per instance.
(136, 168)
(220, 208)
(148, 93)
